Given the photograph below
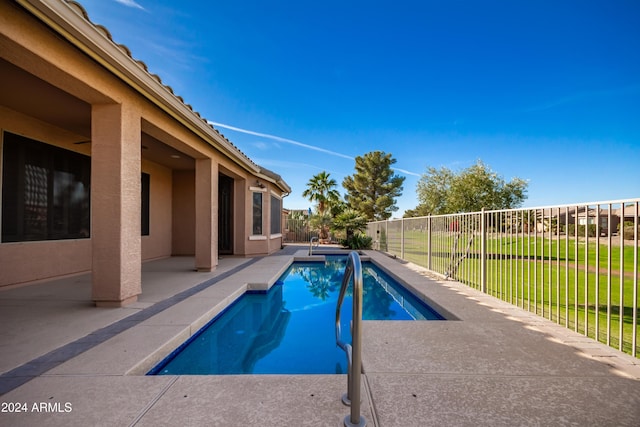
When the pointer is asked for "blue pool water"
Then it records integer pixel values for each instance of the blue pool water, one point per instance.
(291, 328)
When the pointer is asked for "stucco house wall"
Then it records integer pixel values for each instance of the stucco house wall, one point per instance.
(184, 215)
(67, 84)
(159, 241)
(29, 261)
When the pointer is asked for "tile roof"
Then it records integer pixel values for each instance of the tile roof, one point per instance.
(78, 8)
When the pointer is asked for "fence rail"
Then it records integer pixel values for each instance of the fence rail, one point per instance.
(576, 265)
(299, 231)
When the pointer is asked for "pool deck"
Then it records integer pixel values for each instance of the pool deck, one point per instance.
(495, 365)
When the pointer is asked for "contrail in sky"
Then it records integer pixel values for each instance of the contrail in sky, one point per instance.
(407, 172)
(292, 142)
(278, 138)
(130, 3)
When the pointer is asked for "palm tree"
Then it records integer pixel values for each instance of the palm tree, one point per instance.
(322, 189)
(350, 221)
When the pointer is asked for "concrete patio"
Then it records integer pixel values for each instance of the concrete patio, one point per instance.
(72, 364)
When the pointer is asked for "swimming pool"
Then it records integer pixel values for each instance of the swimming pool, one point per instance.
(290, 329)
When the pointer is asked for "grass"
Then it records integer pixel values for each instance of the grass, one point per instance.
(575, 283)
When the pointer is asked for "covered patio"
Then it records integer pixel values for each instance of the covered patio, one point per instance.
(104, 167)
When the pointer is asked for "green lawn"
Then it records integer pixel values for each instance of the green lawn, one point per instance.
(562, 279)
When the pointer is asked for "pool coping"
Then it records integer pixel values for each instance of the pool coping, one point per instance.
(174, 320)
(158, 335)
(208, 318)
(49, 361)
(157, 355)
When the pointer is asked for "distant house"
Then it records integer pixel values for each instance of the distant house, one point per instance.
(587, 215)
(104, 167)
(628, 214)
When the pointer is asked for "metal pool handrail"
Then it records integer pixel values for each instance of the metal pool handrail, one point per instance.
(311, 244)
(353, 350)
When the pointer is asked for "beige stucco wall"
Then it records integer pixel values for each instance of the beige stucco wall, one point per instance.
(184, 215)
(74, 256)
(266, 243)
(158, 243)
(28, 261)
(18, 123)
(115, 204)
(49, 258)
(31, 46)
(275, 239)
(241, 209)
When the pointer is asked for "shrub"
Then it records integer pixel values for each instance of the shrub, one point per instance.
(357, 241)
(628, 232)
(591, 230)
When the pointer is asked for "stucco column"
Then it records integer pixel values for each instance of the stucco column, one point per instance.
(115, 205)
(206, 214)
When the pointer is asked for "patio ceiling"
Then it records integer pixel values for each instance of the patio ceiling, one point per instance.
(27, 94)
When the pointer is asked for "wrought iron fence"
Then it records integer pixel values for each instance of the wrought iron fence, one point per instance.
(576, 265)
(298, 231)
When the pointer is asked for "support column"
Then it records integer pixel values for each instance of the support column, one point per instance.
(115, 205)
(206, 214)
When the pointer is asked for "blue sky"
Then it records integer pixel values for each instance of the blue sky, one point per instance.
(547, 91)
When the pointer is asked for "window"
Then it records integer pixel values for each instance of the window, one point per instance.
(46, 191)
(257, 213)
(144, 213)
(276, 215)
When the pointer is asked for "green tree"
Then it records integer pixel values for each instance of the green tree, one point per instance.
(443, 191)
(298, 215)
(350, 221)
(321, 222)
(337, 208)
(373, 188)
(353, 223)
(420, 210)
(322, 190)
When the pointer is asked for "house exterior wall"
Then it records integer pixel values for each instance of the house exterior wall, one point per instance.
(47, 258)
(275, 236)
(112, 109)
(184, 214)
(266, 242)
(158, 243)
(242, 210)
